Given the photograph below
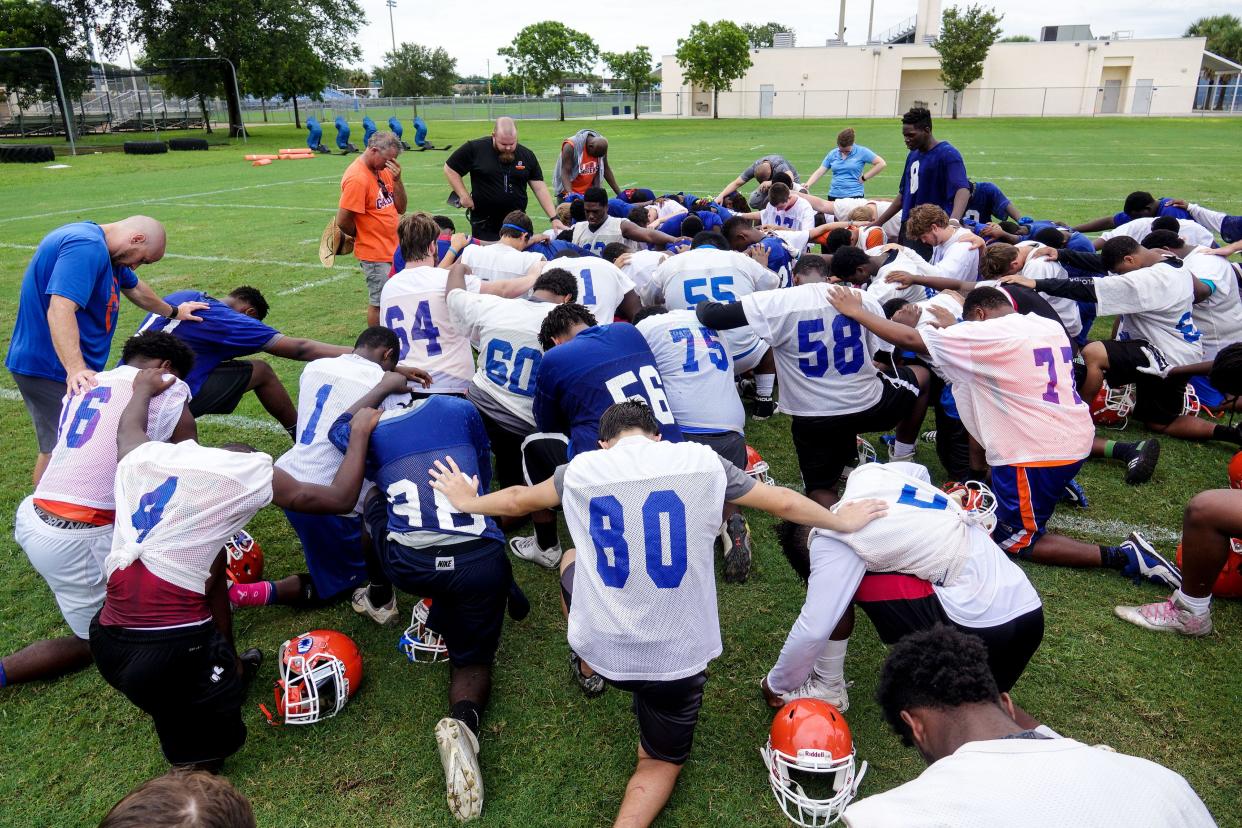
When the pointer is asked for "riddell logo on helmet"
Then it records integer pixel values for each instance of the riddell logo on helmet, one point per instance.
(813, 753)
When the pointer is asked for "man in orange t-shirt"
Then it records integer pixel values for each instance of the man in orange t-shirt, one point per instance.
(372, 202)
(583, 164)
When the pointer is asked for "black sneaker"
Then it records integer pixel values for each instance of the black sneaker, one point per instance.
(591, 685)
(738, 554)
(1143, 465)
(765, 407)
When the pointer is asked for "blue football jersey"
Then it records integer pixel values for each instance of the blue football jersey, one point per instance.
(780, 261)
(1164, 207)
(600, 366)
(223, 334)
(403, 448)
(932, 177)
(986, 202)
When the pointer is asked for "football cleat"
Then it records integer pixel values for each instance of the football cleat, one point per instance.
(243, 560)
(320, 671)
(928, 437)
(816, 686)
(1112, 406)
(528, 549)
(1229, 582)
(737, 556)
(1148, 564)
(419, 642)
(764, 408)
(811, 764)
(1167, 616)
(1075, 494)
(978, 501)
(591, 685)
(757, 467)
(361, 602)
(459, 756)
(1142, 466)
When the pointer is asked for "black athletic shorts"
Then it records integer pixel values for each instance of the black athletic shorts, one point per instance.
(1157, 400)
(468, 584)
(185, 678)
(899, 604)
(507, 449)
(223, 388)
(667, 711)
(826, 445)
(542, 454)
(728, 444)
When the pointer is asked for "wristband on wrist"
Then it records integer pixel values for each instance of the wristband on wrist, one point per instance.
(172, 313)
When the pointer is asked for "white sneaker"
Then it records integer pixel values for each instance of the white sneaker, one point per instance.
(361, 602)
(459, 755)
(527, 548)
(817, 687)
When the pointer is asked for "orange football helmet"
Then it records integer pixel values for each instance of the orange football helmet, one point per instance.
(243, 558)
(1112, 406)
(757, 467)
(320, 670)
(977, 499)
(810, 760)
(1235, 471)
(1229, 582)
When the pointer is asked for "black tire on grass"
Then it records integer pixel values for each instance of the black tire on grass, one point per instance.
(145, 147)
(30, 154)
(187, 143)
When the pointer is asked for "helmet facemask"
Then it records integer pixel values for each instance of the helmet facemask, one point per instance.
(812, 788)
(419, 642)
(311, 688)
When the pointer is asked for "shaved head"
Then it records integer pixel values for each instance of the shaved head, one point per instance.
(598, 146)
(505, 139)
(135, 241)
(506, 127)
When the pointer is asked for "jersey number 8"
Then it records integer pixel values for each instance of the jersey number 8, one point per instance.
(662, 508)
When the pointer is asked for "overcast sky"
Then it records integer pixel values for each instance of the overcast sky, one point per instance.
(472, 32)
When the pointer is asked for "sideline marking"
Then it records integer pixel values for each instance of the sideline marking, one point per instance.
(226, 259)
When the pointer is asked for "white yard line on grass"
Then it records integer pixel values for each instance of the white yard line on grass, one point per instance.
(165, 199)
(708, 161)
(187, 257)
(342, 274)
(271, 206)
(232, 420)
(1111, 529)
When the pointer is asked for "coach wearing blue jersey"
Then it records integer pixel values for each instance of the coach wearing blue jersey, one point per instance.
(934, 173)
(70, 300)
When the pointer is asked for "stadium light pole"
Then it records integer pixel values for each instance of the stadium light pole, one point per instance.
(236, 92)
(392, 4)
(60, 90)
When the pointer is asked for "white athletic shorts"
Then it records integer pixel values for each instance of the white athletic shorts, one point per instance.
(749, 358)
(70, 560)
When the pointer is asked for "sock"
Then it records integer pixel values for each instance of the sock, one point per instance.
(545, 535)
(764, 384)
(469, 714)
(258, 594)
(1122, 451)
(1197, 606)
(4, 679)
(977, 475)
(830, 665)
(292, 431)
(379, 594)
(308, 597)
(519, 604)
(900, 448)
(1113, 557)
(1228, 434)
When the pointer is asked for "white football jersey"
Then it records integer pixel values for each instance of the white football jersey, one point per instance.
(823, 359)
(644, 516)
(1138, 229)
(641, 265)
(1013, 382)
(83, 464)
(1157, 304)
(507, 331)
(595, 241)
(956, 259)
(1044, 268)
(178, 503)
(799, 216)
(494, 262)
(1219, 317)
(842, 207)
(669, 208)
(601, 285)
(706, 274)
(903, 260)
(697, 372)
(412, 305)
(326, 389)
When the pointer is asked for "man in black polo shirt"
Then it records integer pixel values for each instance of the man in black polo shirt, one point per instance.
(500, 170)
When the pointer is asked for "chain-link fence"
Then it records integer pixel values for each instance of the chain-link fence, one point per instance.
(1111, 98)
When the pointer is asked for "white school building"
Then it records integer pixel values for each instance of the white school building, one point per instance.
(1068, 73)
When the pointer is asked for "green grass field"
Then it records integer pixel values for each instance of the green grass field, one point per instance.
(550, 757)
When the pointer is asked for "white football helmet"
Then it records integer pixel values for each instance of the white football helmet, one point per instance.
(419, 642)
(810, 761)
(978, 501)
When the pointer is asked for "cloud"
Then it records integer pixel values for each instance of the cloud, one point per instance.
(472, 34)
